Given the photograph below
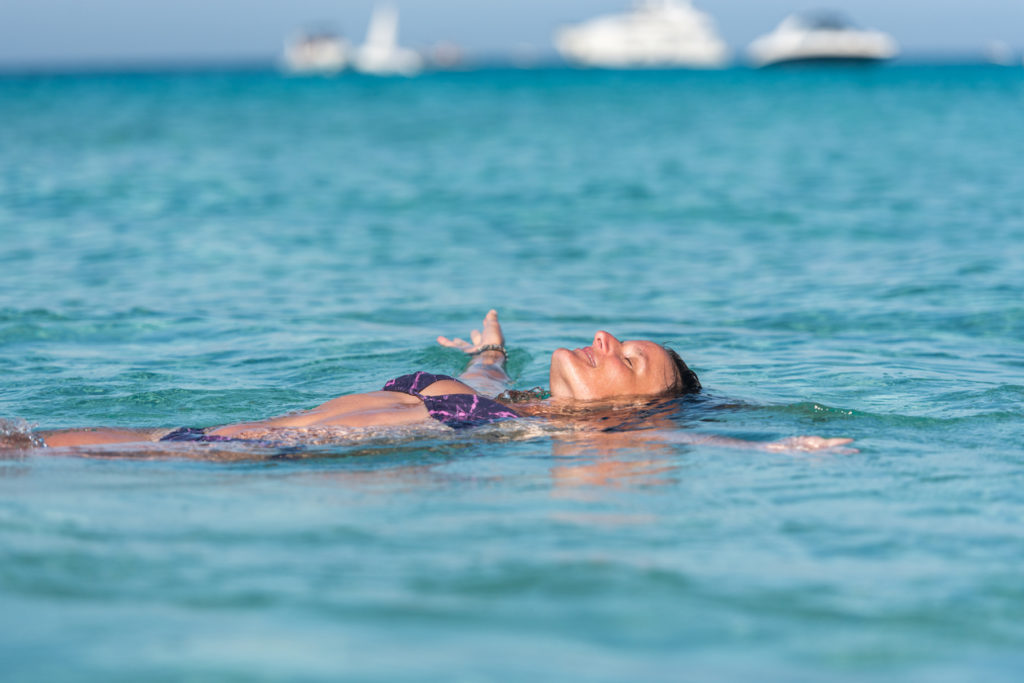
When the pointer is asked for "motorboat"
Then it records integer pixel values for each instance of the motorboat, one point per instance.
(318, 53)
(655, 34)
(1000, 53)
(820, 37)
(380, 54)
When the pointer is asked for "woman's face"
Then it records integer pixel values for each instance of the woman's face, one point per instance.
(611, 368)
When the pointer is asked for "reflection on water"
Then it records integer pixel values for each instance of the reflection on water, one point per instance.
(623, 452)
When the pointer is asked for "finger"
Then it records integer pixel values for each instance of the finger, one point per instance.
(818, 442)
(807, 444)
(491, 319)
(492, 328)
(453, 343)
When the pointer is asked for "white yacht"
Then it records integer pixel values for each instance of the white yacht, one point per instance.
(321, 53)
(1000, 53)
(381, 55)
(820, 37)
(655, 34)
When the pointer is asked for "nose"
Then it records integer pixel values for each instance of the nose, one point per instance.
(604, 342)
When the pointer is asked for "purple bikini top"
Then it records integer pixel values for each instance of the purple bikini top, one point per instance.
(455, 410)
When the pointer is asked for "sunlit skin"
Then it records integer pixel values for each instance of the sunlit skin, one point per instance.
(607, 371)
(611, 369)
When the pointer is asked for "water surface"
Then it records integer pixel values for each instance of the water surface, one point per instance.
(834, 252)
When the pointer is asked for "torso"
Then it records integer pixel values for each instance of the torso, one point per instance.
(373, 409)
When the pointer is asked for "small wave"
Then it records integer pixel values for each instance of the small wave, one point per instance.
(8, 314)
(818, 410)
(17, 434)
(510, 430)
(311, 442)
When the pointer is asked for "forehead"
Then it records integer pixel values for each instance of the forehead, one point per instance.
(647, 347)
(659, 364)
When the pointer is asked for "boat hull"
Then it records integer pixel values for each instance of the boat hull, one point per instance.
(826, 61)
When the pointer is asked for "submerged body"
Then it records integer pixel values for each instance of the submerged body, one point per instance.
(384, 408)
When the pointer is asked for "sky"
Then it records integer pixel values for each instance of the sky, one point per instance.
(83, 32)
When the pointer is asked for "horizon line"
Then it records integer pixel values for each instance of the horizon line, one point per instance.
(483, 62)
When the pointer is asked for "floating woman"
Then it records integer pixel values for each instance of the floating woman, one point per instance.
(608, 374)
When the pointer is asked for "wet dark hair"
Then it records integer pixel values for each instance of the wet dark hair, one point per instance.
(688, 382)
(523, 396)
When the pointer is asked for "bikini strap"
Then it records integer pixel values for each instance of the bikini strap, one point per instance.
(415, 383)
(455, 410)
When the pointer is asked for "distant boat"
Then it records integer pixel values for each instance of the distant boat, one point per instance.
(1000, 53)
(321, 53)
(381, 55)
(655, 34)
(821, 37)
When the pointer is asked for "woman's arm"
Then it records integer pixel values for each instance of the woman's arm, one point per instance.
(486, 370)
(98, 436)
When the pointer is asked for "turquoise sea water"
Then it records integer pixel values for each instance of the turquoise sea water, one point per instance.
(835, 252)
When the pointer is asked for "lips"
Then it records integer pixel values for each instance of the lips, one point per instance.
(588, 354)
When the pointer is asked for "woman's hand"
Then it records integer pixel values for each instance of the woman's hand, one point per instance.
(491, 335)
(807, 444)
(486, 371)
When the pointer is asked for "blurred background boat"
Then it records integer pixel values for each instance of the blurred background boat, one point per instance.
(655, 34)
(381, 55)
(1000, 53)
(316, 52)
(823, 36)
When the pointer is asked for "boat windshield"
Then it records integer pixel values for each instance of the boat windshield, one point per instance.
(826, 21)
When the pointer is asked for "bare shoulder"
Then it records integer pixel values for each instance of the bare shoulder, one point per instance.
(447, 386)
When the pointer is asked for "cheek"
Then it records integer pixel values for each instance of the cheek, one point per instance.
(615, 381)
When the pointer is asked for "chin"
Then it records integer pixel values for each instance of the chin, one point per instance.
(557, 375)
